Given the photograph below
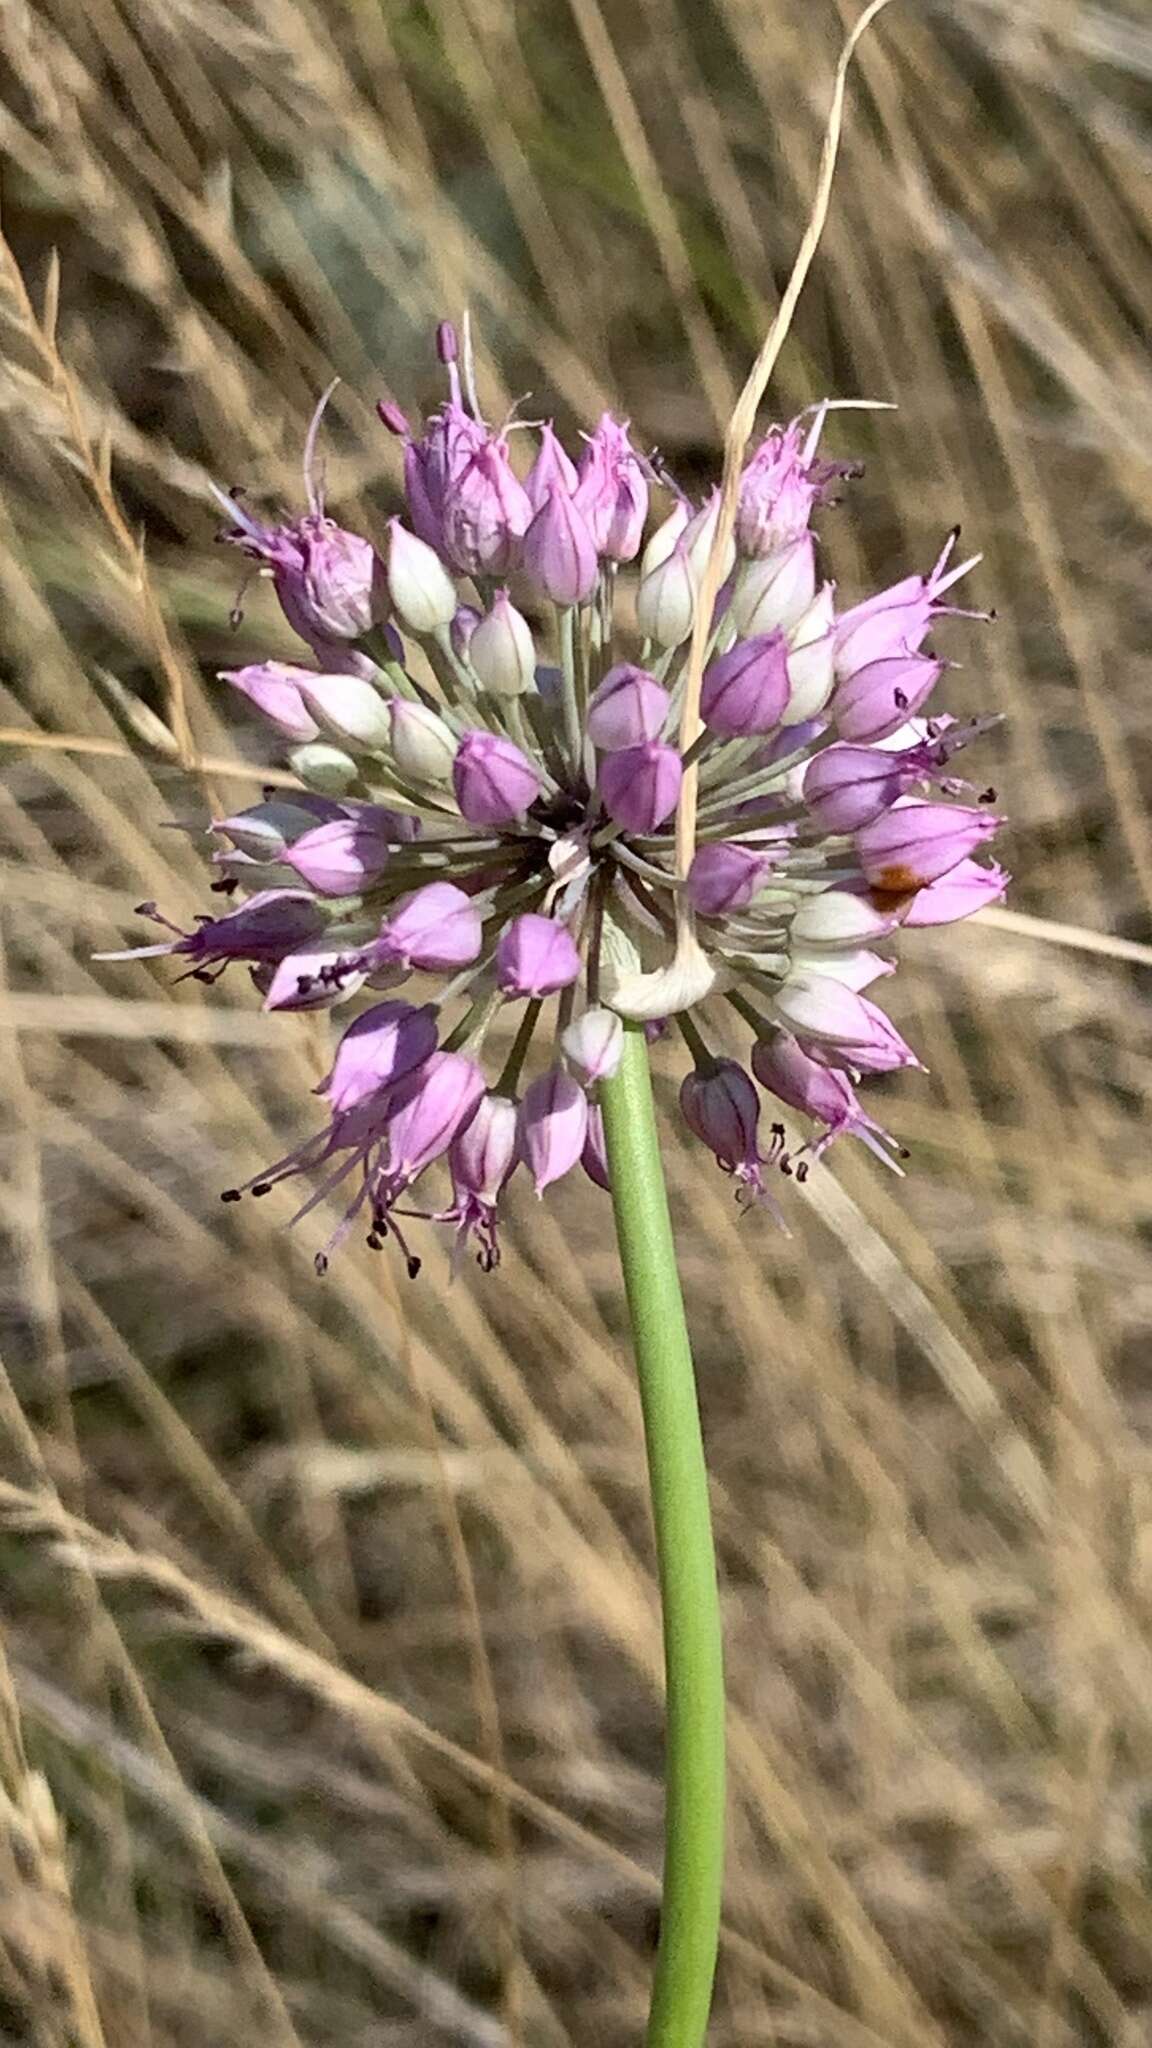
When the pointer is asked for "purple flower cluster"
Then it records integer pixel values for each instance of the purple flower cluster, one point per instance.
(495, 811)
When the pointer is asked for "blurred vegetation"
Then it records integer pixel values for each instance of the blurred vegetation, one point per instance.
(330, 1706)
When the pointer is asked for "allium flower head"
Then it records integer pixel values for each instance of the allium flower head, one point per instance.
(492, 778)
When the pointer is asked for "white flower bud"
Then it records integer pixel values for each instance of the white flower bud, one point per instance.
(422, 745)
(594, 1043)
(774, 593)
(811, 679)
(698, 537)
(348, 708)
(327, 770)
(666, 600)
(837, 917)
(665, 537)
(423, 593)
(502, 651)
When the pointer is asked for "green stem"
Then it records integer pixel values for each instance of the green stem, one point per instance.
(694, 1749)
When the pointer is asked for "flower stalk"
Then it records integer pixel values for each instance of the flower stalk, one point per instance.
(693, 1655)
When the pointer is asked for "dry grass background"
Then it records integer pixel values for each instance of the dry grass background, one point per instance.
(330, 1706)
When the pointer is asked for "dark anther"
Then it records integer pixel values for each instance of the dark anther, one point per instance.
(268, 793)
(227, 886)
(776, 1130)
(414, 1265)
(262, 1187)
(304, 983)
(802, 1170)
(230, 1194)
(202, 974)
(374, 1241)
(904, 1152)
(144, 910)
(786, 1167)
(321, 1264)
(900, 700)
(956, 533)
(993, 616)
(987, 796)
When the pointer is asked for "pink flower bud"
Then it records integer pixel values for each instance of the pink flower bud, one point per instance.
(423, 747)
(553, 1126)
(666, 599)
(881, 1050)
(777, 493)
(640, 786)
(875, 700)
(965, 889)
(486, 511)
(343, 857)
(502, 651)
(818, 1006)
(348, 708)
(494, 782)
(378, 1049)
(535, 956)
(464, 623)
(725, 876)
(423, 592)
(896, 621)
(628, 707)
(839, 1026)
(274, 688)
(594, 1156)
(434, 464)
(334, 588)
(264, 830)
(559, 557)
(434, 929)
(720, 1105)
(916, 843)
(846, 787)
(788, 1072)
(307, 980)
(553, 470)
(594, 1043)
(433, 1105)
(612, 491)
(746, 690)
(484, 1156)
(781, 1065)
(774, 594)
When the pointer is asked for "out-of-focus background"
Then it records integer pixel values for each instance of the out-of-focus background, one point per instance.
(330, 1707)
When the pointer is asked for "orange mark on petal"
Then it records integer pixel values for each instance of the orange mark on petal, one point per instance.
(893, 888)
